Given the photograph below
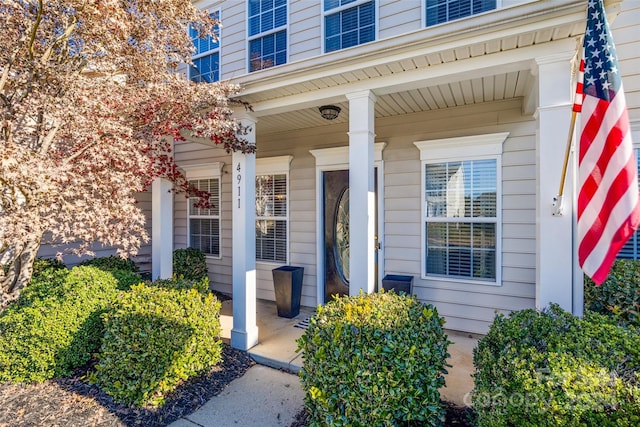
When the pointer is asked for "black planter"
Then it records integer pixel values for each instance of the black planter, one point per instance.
(287, 282)
(398, 283)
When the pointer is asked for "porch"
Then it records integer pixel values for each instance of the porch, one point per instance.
(277, 346)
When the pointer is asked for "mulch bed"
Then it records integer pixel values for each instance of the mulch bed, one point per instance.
(71, 402)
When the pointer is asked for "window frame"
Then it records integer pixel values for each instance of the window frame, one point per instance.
(270, 166)
(201, 172)
(477, 147)
(217, 50)
(339, 9)
(263, 34)
(635, 237)
(424, 14)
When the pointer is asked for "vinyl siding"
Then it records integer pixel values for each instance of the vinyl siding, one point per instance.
(305, 34)
(466, 306)
(220, 269)
(143, 257)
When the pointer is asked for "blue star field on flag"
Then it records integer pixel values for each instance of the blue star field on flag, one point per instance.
(601, 75)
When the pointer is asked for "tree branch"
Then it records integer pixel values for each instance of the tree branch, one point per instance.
(34, 29)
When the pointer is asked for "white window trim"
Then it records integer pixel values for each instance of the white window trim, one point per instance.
(424, 14)
(477, 147)
(280, 165)
(206, 171)
(249, 38)
(212, 51)
(339, 9)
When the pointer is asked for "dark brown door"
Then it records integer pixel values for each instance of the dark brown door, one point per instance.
(336, 233)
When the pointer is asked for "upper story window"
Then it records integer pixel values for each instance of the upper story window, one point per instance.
(267, 33)
(439, 11)
(272, 209)
(461, 208)
(348, 23)
(206, 61)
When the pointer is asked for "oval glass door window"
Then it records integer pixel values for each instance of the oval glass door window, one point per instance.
(341, 232)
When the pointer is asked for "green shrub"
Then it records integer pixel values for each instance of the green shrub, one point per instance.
(112, 263)
(374, 359)
(124, 270)
(190, 263)
(619, 295)
(55, 326)
(156, 338)
(554, 369)
(180, 283)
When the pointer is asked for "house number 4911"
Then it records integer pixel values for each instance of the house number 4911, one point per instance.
(239, 179)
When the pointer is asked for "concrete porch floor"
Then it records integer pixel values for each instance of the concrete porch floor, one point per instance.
(277, 347)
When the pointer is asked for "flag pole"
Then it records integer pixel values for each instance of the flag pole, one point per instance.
(557, 201)
(577, 70)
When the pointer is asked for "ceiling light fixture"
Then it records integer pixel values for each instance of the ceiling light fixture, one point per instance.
(329, 112)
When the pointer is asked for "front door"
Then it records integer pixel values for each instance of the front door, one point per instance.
(336, 233)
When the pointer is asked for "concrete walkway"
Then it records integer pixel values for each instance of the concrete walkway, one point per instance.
(262, 397)
(270, 394)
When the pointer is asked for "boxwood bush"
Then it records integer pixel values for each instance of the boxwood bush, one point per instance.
(55, 325)
(156, 338)
(180, 283)
(124, 270)
(619, 295)
(190, 263)
(551, 368)
(374, 359)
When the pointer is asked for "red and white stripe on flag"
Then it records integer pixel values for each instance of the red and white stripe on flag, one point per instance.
(608, 208)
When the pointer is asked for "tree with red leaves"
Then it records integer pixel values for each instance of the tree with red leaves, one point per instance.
(90, 103)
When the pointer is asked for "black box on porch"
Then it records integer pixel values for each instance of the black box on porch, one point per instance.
(287, 283)
(398, 283)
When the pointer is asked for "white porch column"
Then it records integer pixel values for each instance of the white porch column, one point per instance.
(554, 234)
(244, 334)
(361, 192)
(161, 229)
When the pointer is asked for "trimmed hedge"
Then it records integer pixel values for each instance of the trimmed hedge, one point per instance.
(155, 339)
(374, 359)
(190, 263)
(619, 295)
(551, 368)
(180, 283)
(124, 270)
(55, 325)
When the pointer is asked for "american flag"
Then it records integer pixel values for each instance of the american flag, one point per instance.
(608, 208)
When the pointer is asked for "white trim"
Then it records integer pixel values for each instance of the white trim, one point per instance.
(199, 171)
(488, 146)
(472, 146)
(217, 50)
(279, 165)
(337, 158)
(273, 165)
(339, 9)
(249, 38)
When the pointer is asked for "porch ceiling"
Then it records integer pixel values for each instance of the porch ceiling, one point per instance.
(486, 58)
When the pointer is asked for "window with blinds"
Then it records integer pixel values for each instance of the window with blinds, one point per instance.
(347, 24)
(267, 33)
(206, 61)
(461, 219)
(204, 223)
(439, 11)
(631, 250)
(271, 218)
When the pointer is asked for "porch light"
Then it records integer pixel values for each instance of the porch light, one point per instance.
(329, 112)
